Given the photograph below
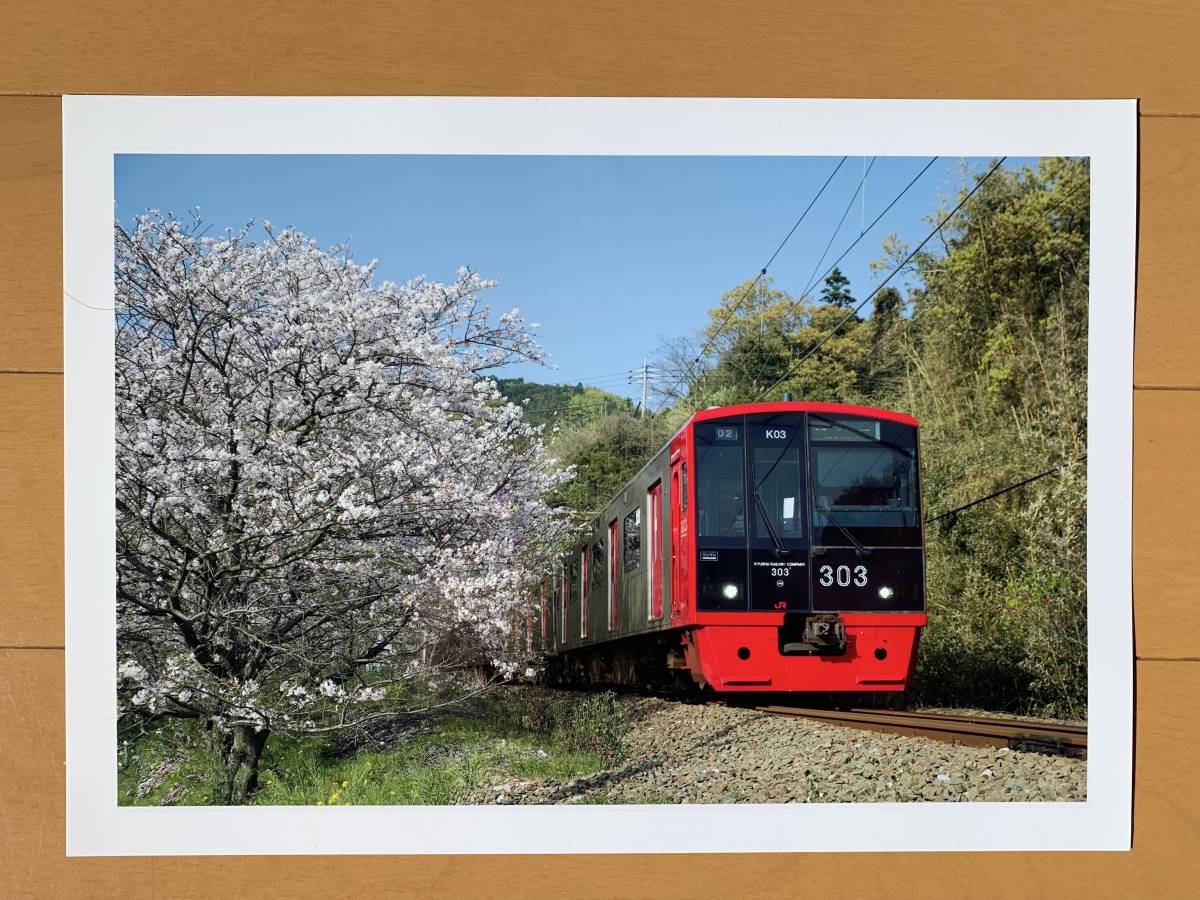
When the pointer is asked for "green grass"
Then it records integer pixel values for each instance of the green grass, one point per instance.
(443, 763)
(457, 757)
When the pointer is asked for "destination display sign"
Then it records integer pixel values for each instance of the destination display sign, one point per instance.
(822, 429)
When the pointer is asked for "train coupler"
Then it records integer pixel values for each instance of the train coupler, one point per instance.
(816, 633)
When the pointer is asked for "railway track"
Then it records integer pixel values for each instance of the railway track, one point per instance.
(975, 731)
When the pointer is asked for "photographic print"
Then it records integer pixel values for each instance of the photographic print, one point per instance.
(551, 476)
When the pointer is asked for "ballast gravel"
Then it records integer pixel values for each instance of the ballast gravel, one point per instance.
(709, 753)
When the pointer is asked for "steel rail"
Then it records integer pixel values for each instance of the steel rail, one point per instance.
(975, 731)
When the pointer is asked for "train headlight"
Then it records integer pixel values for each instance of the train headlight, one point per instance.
(730, 591)
(886, 592)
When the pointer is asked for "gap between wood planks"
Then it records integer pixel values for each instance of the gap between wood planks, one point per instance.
(1142, 114)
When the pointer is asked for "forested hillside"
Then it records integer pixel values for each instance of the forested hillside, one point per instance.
(566, 405)
(983, 337)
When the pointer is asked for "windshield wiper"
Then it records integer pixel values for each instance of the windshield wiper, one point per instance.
(858, 548)
(780, 550)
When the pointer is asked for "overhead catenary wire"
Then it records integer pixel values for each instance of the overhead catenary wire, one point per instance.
(858, 188)
(863, 233)
(736, 305)
(892, 274)
(837, 228)
(613, 381)
(813, 282)
(606, 376)
(1058, 202)
(1064, 196)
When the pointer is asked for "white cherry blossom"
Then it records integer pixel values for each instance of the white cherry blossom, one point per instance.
(320, 493)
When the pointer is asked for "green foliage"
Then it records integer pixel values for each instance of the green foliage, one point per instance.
(562, 405)
(753, 363)
(760, 352)
(521, 734)
(997, 366)
(593, 723)
(987, 347)
(606, 453)
(837, 290)
(170, 765)
(989, 351)
(543, 398)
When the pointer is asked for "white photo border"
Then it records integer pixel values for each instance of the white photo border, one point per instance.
(96, 128)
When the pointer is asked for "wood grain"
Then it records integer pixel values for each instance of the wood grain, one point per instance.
(1166, 833)
(774, 48)
(31, 233)
(1166, 595)
(1166, 532)
(1167, 345)
(909, 48)
(31, 511)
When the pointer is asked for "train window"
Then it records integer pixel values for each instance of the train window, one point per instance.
(864, 479)
(683, 491)
(596, 569)
(631, 529)
(574, 576)
(720, 490)
(777, 473)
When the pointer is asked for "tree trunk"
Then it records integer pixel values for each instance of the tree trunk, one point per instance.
(238, 753)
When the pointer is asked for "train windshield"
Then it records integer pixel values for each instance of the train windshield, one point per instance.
(777, 477)
(864, 481)
(720, 487)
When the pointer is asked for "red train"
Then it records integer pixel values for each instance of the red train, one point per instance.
(766, 547)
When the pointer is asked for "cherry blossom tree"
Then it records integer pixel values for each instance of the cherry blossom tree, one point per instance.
(317, 483)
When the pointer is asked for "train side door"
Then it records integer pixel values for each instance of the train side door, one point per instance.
(654, 569)
(679, 538)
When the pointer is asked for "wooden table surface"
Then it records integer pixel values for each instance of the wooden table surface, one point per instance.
(933, 49)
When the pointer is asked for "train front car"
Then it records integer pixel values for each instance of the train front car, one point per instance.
(802, 554)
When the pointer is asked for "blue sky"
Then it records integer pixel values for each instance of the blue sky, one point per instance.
(611, 255)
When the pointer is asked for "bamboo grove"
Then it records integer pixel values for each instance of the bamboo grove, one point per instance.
(982, 336)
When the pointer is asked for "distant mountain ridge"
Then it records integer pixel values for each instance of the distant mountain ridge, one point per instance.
(565, 404)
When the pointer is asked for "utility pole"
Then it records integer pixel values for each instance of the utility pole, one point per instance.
(645, 385)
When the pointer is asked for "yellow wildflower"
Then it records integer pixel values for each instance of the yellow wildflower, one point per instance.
(333, 799)
(345, 784)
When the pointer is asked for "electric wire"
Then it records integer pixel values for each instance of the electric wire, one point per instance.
(838, 227)
(813, 283)
(757, 278)
(850, 205)
(853, 314)
(843, 255)
(1000, 493)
